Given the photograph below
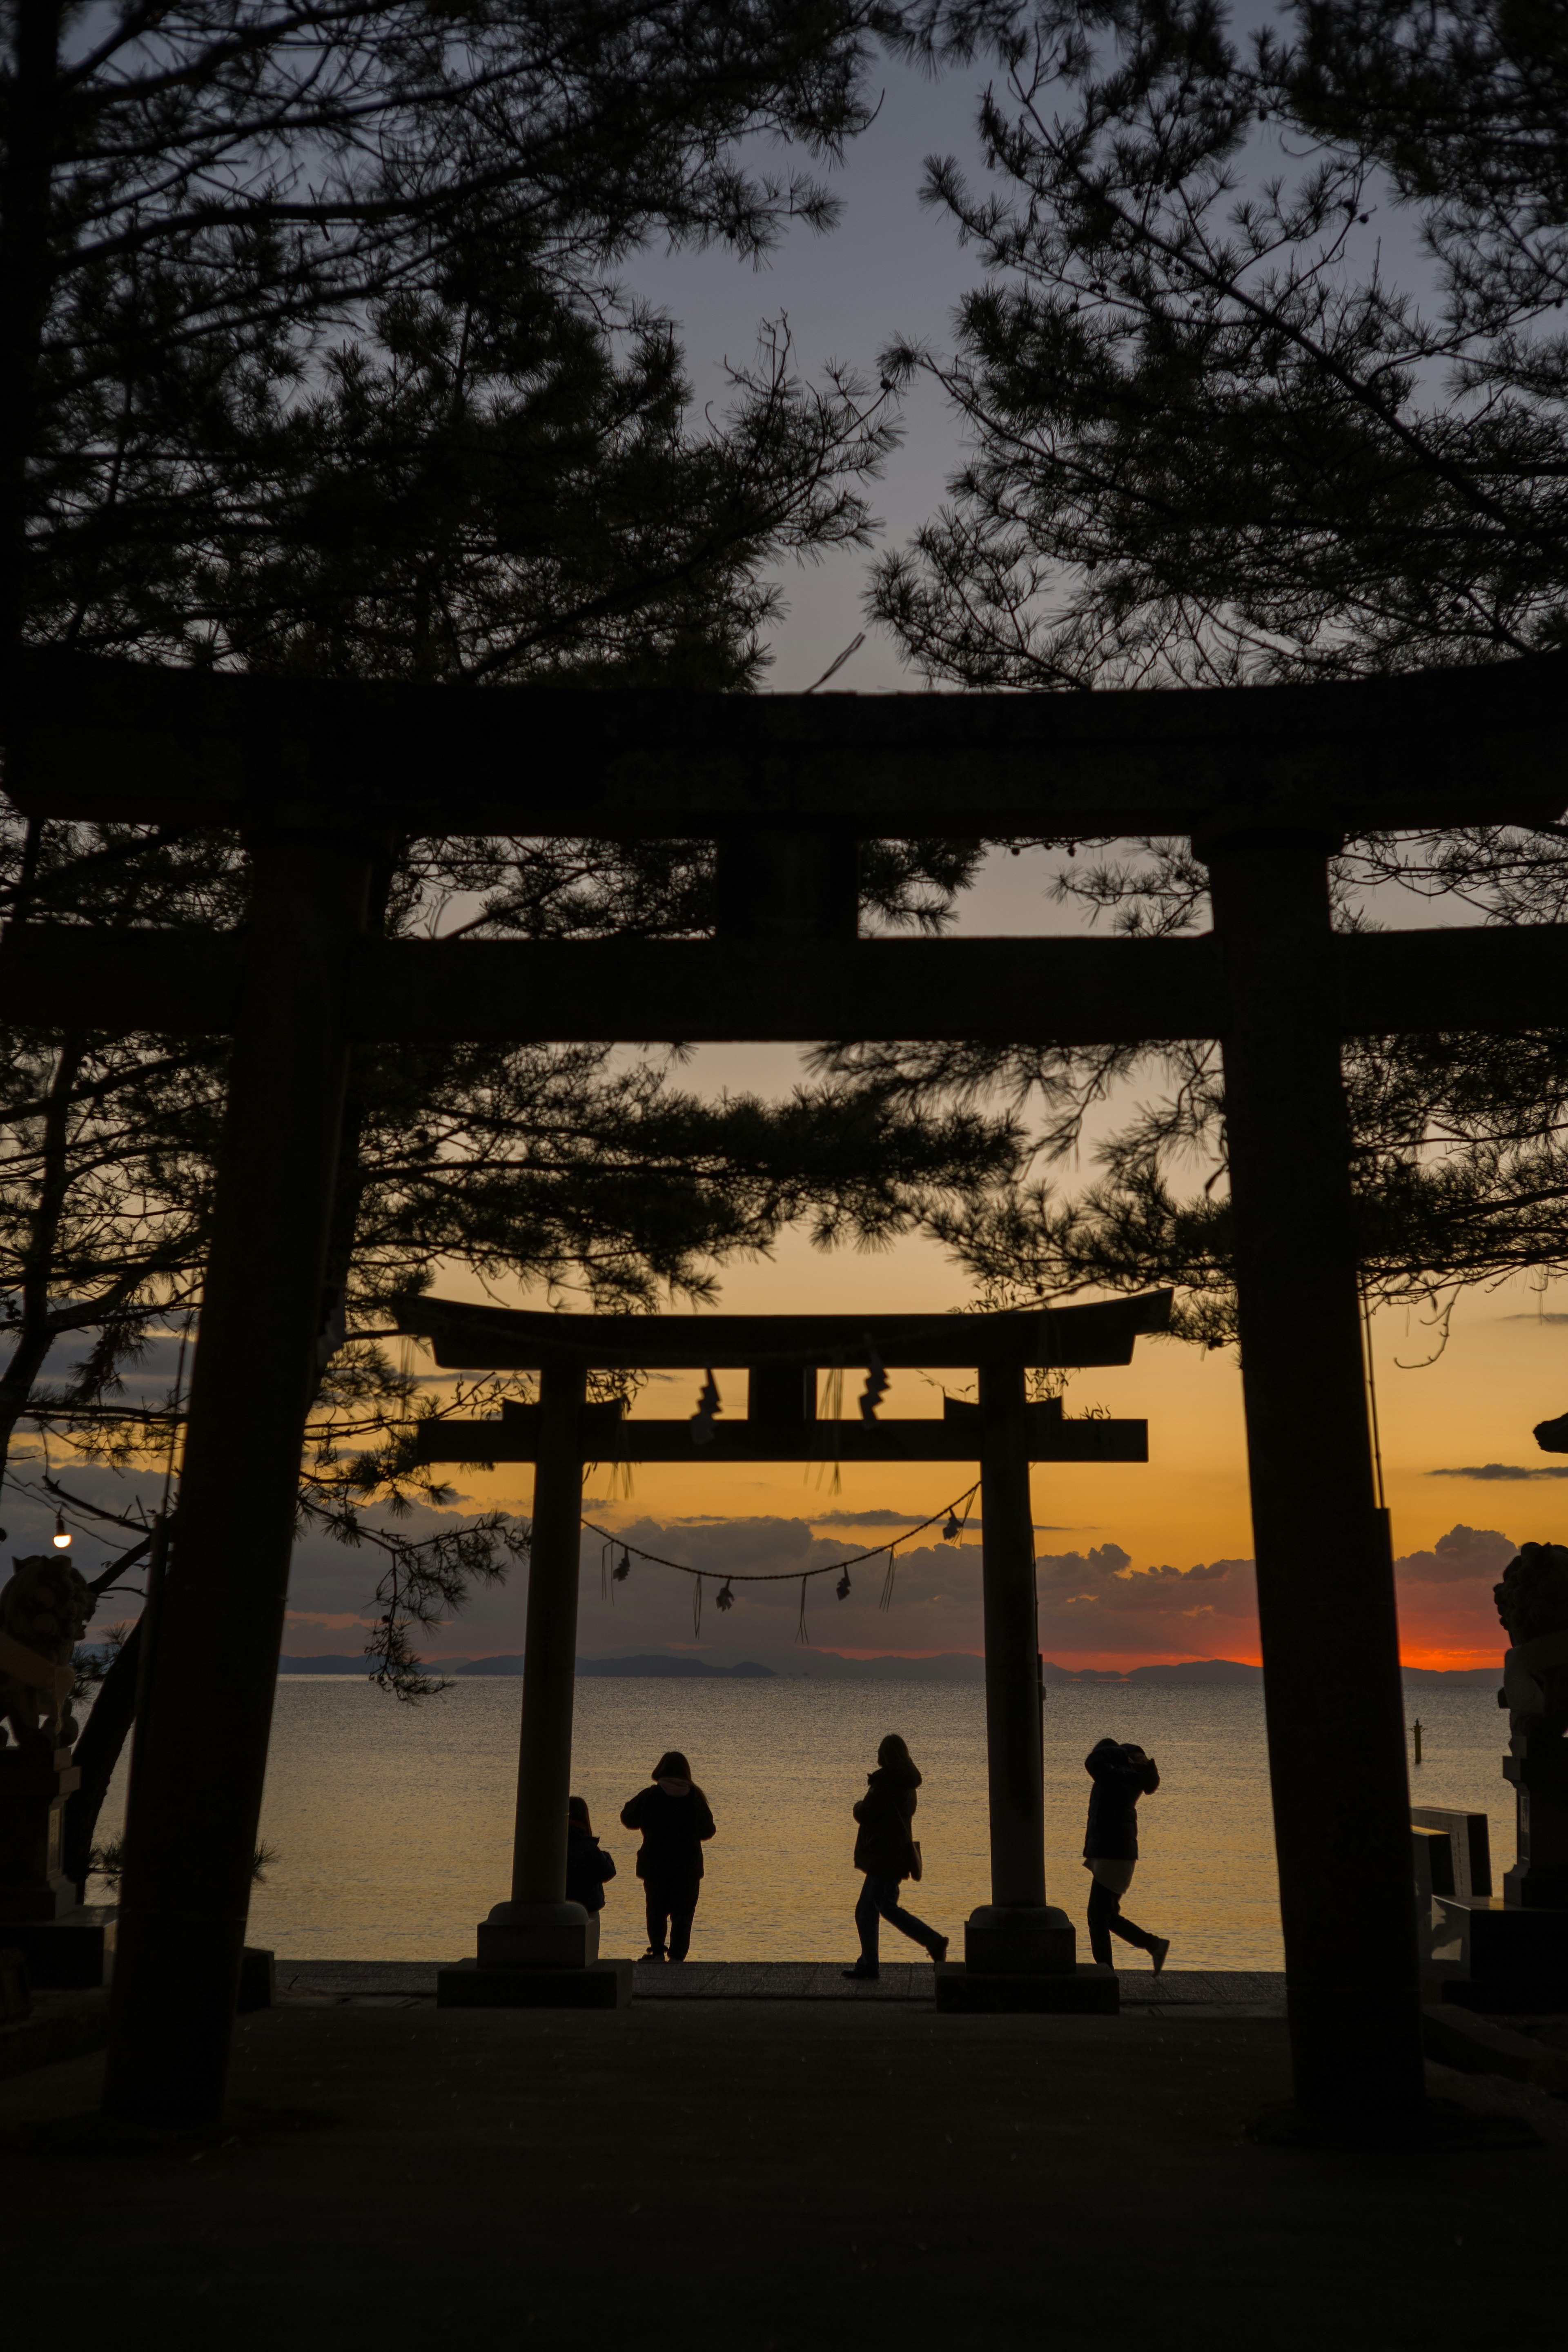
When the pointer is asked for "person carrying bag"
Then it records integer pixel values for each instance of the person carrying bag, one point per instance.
(886, 1851)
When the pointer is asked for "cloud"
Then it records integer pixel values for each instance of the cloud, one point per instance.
(1464, 1556)
(869, 1519)
(1096, 1605)
(1488, 1471)
(936, 1603)
(1096, 1601)
(907, 1518)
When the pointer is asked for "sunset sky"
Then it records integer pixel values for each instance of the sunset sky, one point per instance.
(1136, 1563)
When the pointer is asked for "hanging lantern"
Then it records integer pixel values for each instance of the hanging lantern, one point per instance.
(621, 1569)
(724, 1598)
(953, 1528)
(62, 1533)
(841, 1586)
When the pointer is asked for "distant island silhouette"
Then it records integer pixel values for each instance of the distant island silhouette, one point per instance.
(829, 1666)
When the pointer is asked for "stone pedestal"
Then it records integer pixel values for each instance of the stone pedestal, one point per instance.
(536, 1956)
(258, 1979)
(35, 1782)
(539, 1936)
(1017, 1940)
(1514, 1960)
(1019, 1956)
(603, 1984)
(67, 1945)
(1469, 1848)
(1087, 1991)
(73, 1952)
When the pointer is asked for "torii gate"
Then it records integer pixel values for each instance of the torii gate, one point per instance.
(1017, 1936)
(319, 776)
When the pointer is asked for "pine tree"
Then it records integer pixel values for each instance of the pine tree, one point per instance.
(316, 362)
(196, 202)
(1216, 440)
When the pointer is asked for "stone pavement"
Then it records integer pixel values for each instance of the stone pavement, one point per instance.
(766, 2176)
(394, 1983)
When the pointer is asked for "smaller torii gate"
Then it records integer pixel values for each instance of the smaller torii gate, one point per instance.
(534, 1947)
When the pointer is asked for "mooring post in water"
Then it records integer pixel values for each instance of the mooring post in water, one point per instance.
(1325, 1571)
(201, 1756)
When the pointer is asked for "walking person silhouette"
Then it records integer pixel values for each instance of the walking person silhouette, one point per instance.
(886, 1851)
(675, 1822)
(1121, 1773)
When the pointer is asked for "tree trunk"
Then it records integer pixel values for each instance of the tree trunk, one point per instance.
(96, 1753)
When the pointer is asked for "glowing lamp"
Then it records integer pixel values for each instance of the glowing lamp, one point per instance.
(62, 1533)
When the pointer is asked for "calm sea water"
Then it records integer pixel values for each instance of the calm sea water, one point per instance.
(392, 1824)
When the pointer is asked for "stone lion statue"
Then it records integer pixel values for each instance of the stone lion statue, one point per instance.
(1532, 1603)
(44, 1611)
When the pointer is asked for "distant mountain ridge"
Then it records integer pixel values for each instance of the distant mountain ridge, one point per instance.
(827, 1665)
(508, 1663)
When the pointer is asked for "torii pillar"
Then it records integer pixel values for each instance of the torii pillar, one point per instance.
(1325, 1570)
(1017, 1934)
(537, 1949)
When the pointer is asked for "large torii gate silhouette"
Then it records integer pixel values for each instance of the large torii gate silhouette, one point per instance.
(1023, 1948)
(321, 776)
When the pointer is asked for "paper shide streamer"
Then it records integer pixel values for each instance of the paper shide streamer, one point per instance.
(876, 1387)
(724, 1598)
(609, 1578)
(708, 1403)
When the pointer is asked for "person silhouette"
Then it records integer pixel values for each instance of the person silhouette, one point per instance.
(1121, 1773)
(587, 1866)
(884, 1850)
(676, 1822)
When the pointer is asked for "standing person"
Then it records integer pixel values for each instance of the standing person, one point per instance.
(587, 1866)
(1121, 1773)
(884, 1849)
(676, 1822)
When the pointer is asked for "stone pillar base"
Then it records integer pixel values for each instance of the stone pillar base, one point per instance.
(605, 1984)
(258, 1979)
(1088, 1991)
(539, 1936)
(1019, 1939)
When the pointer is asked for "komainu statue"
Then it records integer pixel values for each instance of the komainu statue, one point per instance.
(44, 1611)
(1532, 1601)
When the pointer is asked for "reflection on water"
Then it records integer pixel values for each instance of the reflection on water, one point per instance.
(392, 1824)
